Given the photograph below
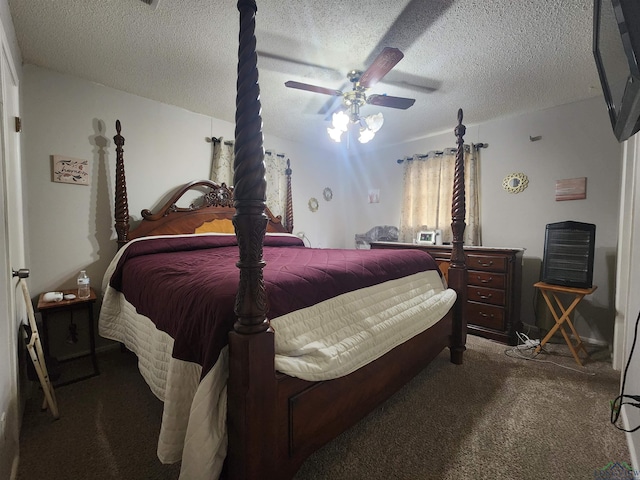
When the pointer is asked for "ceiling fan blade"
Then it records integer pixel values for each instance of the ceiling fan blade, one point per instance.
(384, 62)
(411, 86)
(313, 88)
(299, 68)
(402, 33)
(388, 101)
(411, 82)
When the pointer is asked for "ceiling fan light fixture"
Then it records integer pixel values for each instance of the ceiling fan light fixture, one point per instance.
(369, 125)
(340, 121)
(374, 122)
(335, 134)
(366, 134)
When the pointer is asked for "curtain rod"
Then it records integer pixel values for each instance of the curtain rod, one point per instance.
(217, 140)
(230, 142)
(436, 153)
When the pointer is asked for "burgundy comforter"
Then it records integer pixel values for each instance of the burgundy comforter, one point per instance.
(187, 285)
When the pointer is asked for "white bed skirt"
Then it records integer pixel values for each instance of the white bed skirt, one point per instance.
(327, 340)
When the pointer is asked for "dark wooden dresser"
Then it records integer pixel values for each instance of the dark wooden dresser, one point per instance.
(493, 290)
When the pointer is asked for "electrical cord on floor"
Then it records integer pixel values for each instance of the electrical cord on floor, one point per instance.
(526, 346)
(616, 405)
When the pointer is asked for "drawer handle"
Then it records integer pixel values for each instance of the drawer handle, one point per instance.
(485, 315)
(487, 264)
(484, 297)
(483, 280)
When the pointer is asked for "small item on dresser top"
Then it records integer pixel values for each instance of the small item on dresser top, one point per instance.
(69, 296)
(84, 285)
(52, 296)
(430, 237)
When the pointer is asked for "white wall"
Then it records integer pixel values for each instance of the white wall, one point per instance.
(576, 141)
(312, 173)
(70, 226)
(627, 299)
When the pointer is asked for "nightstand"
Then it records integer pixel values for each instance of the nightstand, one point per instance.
(46, 309)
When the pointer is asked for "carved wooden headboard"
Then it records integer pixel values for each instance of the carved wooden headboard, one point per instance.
(211, 211)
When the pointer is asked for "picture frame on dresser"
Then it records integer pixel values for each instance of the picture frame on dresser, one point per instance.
(494, 286)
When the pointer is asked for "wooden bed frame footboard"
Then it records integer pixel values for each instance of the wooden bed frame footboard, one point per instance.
(275, 421)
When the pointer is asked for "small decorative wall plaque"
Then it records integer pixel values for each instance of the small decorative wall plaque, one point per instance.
(571, 189)
(69, 170)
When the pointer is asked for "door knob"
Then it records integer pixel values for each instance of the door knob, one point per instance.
(22, 273)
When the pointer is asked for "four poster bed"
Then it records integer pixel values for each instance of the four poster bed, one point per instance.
(264, 350)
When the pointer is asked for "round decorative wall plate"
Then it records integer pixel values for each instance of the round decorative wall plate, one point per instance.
(327, 194)
(515, 182)
(313, 204)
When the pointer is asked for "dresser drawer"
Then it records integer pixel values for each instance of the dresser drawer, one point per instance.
(486, 262)
(494, 285)
(487, 279)
(483, 315)
(485, 295)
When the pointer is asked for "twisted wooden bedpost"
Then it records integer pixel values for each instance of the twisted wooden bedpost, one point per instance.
(250, 186)
(289, 208)
(121, 199)
(252, 385)
(457, 267)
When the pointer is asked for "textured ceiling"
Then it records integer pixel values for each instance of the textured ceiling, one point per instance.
(490, 57)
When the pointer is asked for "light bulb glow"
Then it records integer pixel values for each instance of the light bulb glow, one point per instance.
(340, 121)
(369, 125)
(366, 135)
(335, 134)
(374, 122)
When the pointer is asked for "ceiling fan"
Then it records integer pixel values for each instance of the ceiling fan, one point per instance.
(352, 100)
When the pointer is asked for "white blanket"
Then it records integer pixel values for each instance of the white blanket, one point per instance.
(336, 337)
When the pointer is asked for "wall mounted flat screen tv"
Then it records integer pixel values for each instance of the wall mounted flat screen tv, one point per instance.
(616, 46)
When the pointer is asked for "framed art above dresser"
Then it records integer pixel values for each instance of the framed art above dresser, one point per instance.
(494, 284)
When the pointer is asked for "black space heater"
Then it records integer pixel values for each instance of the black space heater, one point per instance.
(568, 254)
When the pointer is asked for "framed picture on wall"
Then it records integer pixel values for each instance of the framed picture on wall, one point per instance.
(571, 189)
(69, 170)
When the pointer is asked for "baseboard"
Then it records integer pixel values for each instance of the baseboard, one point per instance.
(84, 353)
(14, 467)
(595, 342)
(106, 348)
(633, 448)
(533, 331)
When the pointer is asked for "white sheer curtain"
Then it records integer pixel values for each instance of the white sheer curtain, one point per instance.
(427, 194)
(222, 163)
(275, 167)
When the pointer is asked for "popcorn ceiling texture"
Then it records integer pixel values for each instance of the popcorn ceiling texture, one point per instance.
(492, 58)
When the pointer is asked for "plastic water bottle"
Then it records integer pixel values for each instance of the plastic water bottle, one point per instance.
(83, 285)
